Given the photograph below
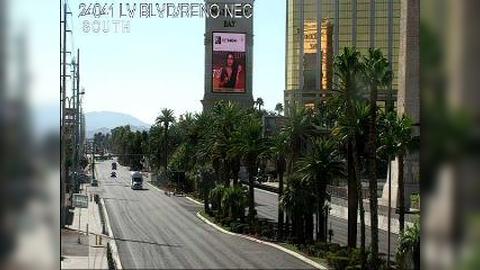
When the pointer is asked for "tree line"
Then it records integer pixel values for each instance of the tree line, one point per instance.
(345, 137)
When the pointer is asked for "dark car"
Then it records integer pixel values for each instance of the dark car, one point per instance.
(113, 174)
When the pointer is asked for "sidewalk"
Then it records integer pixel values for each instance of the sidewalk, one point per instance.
(90, 253)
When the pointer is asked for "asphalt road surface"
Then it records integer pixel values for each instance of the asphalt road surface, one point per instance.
(153, 230)
(267, 207)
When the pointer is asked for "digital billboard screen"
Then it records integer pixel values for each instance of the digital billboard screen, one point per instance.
(228, 63)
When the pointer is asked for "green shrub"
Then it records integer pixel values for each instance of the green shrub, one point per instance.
(408, 252)
(415, 201)
(238, 227)
(333, 247)
(216, 195)
(321, 246)
(233, 202)
(337, 262)
(310, 250)
(355, 258)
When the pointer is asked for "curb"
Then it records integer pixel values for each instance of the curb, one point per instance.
(293, 253)
(188, 198)
(193, 200)
(155, 187)
(113, 244)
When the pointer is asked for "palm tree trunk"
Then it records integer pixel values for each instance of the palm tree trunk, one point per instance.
(401, 194)
(372, 172)
(308, 227)
(226, 171)
(356, 167)
(362, 223)
(280, 210)
(235, 171)
(251, 198)
(206, 205)
(322, 191)
(165, 142)
(389, 160)
(300, 221)
(352, 200)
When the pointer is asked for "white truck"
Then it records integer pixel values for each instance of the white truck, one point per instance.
(137, 180)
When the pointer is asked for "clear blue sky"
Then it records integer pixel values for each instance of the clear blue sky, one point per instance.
(159, 64)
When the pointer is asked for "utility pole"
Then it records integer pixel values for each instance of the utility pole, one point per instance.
(77, 116)
(63, 84)
(93, 160)
(74, 148)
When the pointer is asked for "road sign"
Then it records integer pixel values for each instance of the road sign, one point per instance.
(80, 201)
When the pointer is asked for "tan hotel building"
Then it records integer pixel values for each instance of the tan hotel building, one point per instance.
(342, 23)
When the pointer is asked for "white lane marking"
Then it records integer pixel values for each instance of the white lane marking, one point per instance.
(286, 250)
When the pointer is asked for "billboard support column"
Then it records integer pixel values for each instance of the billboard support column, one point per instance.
(229, 55)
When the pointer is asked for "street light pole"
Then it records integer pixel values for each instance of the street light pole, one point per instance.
(62, 120)
(63, 86)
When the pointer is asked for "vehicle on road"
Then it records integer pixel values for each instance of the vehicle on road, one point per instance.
(113, 174)
(114, 165)
(94, 182)
(137, 180)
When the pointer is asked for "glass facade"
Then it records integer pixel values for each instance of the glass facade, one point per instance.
(350, 21)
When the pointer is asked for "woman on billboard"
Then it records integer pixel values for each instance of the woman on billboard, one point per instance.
(230, 74)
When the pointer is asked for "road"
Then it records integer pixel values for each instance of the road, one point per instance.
(267, 207)
(153, 230)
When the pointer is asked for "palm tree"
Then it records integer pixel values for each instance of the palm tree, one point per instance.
(388, 148)
(376, 73)
(405, 142)
(166, 118)
(348, 69)
(297, 201)
(234, 202)
(319, 167)
(250, 144)
(297, 130)
(278, 152)
(279, 108)
(226, 119)
(259, 103)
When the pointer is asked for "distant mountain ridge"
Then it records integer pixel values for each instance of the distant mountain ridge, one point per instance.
(104, 121)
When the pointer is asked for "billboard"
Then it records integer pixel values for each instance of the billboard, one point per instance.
(228, 62)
